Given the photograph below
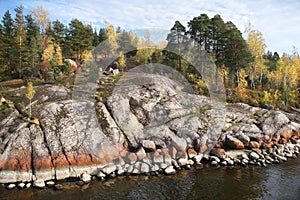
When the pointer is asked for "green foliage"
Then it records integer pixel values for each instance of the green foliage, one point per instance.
(79, 38)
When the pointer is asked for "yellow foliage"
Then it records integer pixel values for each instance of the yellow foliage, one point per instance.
(58, 54)
(30, 91)
(49, 51)
(242, 81)
(267, 98)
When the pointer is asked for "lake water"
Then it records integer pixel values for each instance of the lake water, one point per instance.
(273, 182)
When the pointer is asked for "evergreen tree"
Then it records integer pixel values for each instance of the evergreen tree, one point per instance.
(199, 30)
(238, 55)
(8, 44)
(218, 41)
(33, 47)
(20, 28)
(95, 39)
(175, 40)
(102, 34)
(58, 32)
(80, 38)
(2, 65)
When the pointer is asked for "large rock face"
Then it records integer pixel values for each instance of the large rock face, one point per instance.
(142, 126)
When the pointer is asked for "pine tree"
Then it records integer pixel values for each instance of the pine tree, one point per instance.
(175, 39)
(9, 44)
(102, 34)
(199, 31)
(33, 47)
(95, 39)
(79, 38)
(58, 32)
(237, 53)
(20, 28)
(218, 42)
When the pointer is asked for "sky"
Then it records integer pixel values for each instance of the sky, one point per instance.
(278, 20)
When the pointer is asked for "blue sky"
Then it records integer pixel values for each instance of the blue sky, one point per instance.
(278, 20)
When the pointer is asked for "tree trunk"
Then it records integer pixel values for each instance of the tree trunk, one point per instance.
(237, 79)
(252, 83)
(29, 108)
(260, 78)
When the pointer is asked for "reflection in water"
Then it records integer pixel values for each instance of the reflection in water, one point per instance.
(273, 182)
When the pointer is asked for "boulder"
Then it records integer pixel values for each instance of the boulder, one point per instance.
(39, 184)
(182, 162)
(11, 186)
(274, 122)
(50, 183)
(115, 72)
(170, 170)
(233, 143)
(243, 138)
(148, 145)
(21, 185)
(219, 152)
(253, 155)
(86, 178)
(254, 145)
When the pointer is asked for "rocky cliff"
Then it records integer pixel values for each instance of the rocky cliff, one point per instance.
(147, 127)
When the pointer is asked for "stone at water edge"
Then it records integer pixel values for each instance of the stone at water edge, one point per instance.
(214, 158)
(253, 155)
(191, 153)
(21, 185)
(50, 183)
(224, 163)
(214, 163)
(198, 158)
(101, 175)
(219, 152)
(182, 162)
(191, 162)
(109, 169)
(39, 184)
(86, 178)
(254, 145)
(233, 142)
(11, 186)
(170, 170)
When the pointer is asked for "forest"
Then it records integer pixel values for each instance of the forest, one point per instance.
(34, 48)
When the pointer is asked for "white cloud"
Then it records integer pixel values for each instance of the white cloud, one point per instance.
(278, 20)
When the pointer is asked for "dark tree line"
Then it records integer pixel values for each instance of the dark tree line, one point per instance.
(223, 41)
(259, 76)
(30, 46)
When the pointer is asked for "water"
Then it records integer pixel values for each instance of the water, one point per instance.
(273, 182)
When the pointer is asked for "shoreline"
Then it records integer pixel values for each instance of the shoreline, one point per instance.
(83, 175)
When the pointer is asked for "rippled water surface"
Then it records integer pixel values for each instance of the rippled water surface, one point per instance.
(273, 182)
